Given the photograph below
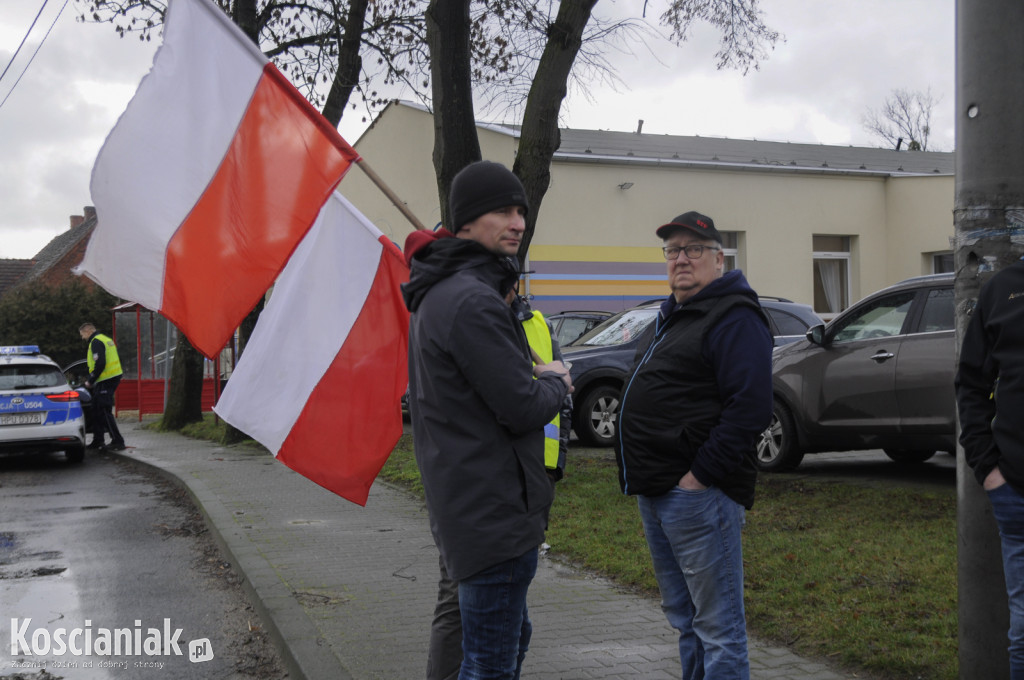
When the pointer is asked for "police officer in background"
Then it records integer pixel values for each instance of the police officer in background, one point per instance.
(104, 377)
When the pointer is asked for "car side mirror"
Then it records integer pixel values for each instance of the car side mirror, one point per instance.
(816, 334)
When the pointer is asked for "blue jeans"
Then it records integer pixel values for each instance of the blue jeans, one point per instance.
(496, 627)
(1008, 508)
(694, 538)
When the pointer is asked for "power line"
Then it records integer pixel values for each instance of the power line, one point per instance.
(27, 34)
(9, 92)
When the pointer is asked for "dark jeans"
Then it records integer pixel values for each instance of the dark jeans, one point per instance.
(103, 411)
(496, 627)
(444, 657)
(1008, 509)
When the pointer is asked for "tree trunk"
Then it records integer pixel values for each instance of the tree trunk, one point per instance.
(988, 214)
(232, 435)
(456, 144)
(346, 77)
(185, 394)
(245, 15)
(539, 137)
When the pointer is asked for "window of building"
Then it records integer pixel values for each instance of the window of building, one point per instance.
(942, 262)
(831, 274)
(730, 248)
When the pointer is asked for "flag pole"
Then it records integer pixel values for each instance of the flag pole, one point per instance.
(392, 196)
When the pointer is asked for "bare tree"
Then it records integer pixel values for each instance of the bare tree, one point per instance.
(566, 41)
(906, 117)
(330, 49)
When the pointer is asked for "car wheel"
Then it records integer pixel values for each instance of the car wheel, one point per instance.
(597, 415)
(76, 455)
(908, 455)
(777, 447)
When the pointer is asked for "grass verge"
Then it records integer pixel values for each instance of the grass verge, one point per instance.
(862, 576)
(210, 428)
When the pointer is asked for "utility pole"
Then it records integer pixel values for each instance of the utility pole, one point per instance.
(989, 224)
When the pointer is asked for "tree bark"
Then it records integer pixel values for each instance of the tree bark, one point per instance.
(346, 77)
(232, 435)
(185, 394)
(539, 138)
(456, 144)
(246, 16)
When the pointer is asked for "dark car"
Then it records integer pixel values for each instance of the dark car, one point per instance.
(567, 327)
(602, 358)
(878, 376)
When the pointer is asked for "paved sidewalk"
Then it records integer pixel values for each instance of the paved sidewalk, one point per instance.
(348, 592)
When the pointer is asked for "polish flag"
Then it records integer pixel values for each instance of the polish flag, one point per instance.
(210, 179)
(321, 379)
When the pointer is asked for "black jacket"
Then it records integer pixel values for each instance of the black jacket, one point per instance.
(990, 379)
(477, 414)
(699, 395)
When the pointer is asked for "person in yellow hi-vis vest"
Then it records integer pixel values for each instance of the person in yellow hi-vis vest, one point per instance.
(538, 334)
(104, 377)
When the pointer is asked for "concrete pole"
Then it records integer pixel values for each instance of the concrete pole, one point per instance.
(989, 223)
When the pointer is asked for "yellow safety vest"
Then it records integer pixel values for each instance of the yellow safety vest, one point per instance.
(539, 336)
(112, 367)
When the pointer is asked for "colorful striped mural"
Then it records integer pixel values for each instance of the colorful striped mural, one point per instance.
(605, 278)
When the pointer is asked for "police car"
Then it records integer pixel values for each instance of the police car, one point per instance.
(38, 409)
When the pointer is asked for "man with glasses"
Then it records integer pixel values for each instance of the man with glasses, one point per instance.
(698, 398)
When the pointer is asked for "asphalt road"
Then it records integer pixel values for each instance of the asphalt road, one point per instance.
(109, 545)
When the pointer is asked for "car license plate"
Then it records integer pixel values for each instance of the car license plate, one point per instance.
(21, 418)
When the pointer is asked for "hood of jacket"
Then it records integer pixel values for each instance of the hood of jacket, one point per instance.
(445, 257)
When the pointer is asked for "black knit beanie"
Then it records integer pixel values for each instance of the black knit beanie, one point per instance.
(480, 188)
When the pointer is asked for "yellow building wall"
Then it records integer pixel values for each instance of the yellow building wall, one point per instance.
(595, 239)
(920, 211)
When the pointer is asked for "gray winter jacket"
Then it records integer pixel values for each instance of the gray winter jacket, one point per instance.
(477, 413)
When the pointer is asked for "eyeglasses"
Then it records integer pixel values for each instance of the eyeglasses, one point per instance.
(693, 251)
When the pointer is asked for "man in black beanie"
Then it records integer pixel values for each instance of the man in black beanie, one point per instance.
(478, 407)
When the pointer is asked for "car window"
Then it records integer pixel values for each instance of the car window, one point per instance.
(938, 314)
(879, 319)
(570, 329)
(619, 329)
(28, 376)
(786, 322)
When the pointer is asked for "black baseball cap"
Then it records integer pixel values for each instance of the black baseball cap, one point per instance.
(694, 221)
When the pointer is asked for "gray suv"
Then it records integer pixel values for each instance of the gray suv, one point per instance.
(878, 376)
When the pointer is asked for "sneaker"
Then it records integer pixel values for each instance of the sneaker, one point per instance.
(115, 447)
(94, 445)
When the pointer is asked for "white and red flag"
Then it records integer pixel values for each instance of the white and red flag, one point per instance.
(210, 179)
(321, 379)
(217, 176)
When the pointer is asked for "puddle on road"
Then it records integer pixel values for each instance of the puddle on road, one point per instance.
(51, 602)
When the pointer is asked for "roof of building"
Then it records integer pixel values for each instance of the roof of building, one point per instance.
(11, 271)
(59, 247)
(723, 153)
(632, 147)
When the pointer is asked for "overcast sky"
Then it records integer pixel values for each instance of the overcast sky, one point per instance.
(840, 58)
